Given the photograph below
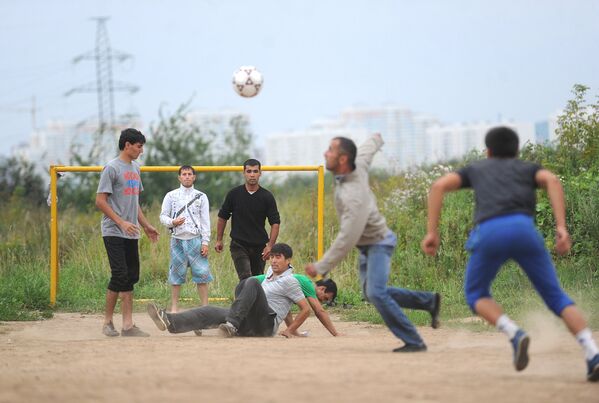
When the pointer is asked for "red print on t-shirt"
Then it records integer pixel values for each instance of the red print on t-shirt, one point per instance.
(132, 181)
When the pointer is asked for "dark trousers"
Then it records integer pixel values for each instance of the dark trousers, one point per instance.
(250, 313)
(203, 317)
(247, 259)
(123, 257)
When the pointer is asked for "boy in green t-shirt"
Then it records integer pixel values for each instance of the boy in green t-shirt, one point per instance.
(325, 291)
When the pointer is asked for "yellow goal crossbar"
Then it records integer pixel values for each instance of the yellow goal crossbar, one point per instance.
(55, 169)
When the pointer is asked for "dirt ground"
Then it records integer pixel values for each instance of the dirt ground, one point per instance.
(67, 359)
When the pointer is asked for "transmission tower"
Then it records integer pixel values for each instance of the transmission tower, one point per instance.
(104, 85)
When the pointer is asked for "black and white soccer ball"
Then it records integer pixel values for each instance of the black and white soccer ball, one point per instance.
(247, 81)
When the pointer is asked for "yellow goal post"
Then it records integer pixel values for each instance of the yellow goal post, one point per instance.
(55, 169)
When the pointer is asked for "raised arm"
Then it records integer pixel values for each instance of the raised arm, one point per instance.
(547, 180)
(368, 149)
(446, 183)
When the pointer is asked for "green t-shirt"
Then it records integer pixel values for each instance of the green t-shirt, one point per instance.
(306, 284)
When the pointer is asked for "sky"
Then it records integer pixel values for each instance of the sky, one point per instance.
(458, 60)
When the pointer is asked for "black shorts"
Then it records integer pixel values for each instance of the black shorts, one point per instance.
(123, 257)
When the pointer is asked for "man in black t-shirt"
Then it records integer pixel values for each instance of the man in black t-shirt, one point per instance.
(249, 205)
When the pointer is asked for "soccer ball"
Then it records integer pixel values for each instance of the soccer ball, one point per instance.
(247, 81)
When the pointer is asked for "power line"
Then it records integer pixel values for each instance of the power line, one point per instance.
(104, 85)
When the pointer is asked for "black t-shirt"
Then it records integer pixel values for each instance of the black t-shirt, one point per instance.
(249, 211)
(501, 186)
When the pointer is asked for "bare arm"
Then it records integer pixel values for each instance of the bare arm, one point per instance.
(150, 231)
(289, 319)
(322, 315)
(102, 204)
(446, 183)
(548, 181)
(299, 318)
(220, 230)
(274, 233)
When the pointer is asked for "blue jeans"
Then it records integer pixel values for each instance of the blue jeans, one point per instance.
(375, 265)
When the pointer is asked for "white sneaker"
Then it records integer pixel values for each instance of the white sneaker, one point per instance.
(227, 329)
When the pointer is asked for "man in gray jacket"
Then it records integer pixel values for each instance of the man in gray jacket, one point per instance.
(362, 225)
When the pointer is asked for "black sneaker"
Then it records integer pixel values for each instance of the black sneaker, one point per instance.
(410, 348)
(593, 372)
(520, 344)
(435, 323)
(158, 316)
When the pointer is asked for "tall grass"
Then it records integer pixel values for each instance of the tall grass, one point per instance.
(84, 271)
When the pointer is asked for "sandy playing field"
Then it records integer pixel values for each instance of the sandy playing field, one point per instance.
(67, 359)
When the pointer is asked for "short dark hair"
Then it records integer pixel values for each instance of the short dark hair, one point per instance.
(187, 167)
(502, 142)
(348, 147)
(329, 286)
(131, 136)
(282, 249)
(252, 163)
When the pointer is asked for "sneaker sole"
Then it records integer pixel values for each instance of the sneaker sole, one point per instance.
(153, 312)
(521, 358)
(224, 331)
(594, 375)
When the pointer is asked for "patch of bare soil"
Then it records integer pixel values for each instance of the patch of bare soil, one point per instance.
(67, 359)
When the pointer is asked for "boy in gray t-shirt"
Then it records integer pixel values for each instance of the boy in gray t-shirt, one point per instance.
(118, 198)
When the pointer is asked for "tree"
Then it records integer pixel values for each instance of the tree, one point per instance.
(578, 133)
(18, 179)
(174, 140)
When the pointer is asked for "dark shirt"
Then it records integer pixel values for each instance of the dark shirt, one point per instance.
(501, 186)
(249, 213)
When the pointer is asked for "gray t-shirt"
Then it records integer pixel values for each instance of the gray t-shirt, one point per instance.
(501, 186)
(281, 292)
(122, 182)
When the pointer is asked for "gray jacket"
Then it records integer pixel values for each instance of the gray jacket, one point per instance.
(360, 222)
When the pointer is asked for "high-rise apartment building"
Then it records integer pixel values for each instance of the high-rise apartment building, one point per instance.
(453, 141)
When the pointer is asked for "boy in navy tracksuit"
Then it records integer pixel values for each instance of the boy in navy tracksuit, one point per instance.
(504, 189)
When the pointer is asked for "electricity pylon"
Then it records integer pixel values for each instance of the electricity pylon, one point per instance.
(104, 85)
